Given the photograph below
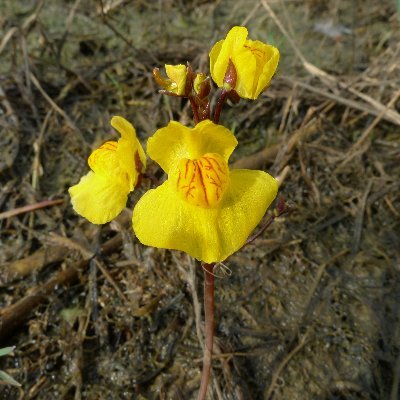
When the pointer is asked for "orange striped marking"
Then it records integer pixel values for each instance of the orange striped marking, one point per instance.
(202, 182)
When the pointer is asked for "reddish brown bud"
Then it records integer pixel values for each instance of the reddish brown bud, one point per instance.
(204, 88)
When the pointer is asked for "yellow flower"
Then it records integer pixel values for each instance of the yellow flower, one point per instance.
(255, 62)
(176, 81)
(177, 76)
(203, 208)
(102, 194)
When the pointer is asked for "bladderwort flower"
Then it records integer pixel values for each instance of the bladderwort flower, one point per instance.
(203, 208)
(115, 167)
(254, 62)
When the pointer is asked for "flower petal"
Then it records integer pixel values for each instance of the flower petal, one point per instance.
(162, 219)
(222, 51)
(129, 148)
(123, 127)
(175, 142)
(246, 66)
(216, 74)
(267, 58)
(98, 198)
(104, 160)
(177, 74)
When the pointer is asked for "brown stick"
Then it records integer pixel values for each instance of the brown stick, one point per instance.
(30, 207)
(13, 316)
(34, 262)
(209, 328)
(259, 159)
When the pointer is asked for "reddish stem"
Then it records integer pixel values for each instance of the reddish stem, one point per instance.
(194, 109)
(209, 328)
(218, 108)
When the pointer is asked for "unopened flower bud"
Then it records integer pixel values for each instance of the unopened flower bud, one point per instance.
(175, 83)
(202, 85)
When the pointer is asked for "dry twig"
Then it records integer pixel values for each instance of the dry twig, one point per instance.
(330, 80)
(15, 315)
(29, 208)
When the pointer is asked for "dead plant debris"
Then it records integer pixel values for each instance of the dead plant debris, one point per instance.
(310, 310)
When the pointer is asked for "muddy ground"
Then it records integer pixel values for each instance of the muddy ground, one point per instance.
(311, 308)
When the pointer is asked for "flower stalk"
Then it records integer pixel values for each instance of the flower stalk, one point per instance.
(208, 328)
(193, 104)
(220, 102)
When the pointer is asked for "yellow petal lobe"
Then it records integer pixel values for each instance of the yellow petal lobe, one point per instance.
(177, 78)
(223, 50)
(98, 198)
(104, 161)
(129, 152)
(176, 141)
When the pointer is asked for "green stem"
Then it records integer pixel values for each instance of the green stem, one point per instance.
(208, 329)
